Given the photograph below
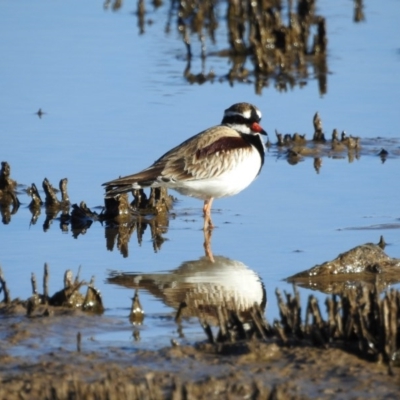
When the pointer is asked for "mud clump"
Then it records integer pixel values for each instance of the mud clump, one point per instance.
(365, 265)
(8, 195)
(117, 209)
(121, 217)
(158, 202)
(296, 146)
(42, 304)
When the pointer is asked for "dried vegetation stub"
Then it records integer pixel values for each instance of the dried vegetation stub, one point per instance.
(268, 41)
(9, 202)
(158, 202)
(121, 217)
(358, 318)
(44, 304)
(357, 321)
(360, 322)
(278, 51)
(119, 209)
(296, 146)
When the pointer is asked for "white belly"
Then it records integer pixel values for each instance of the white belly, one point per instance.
(224, 185)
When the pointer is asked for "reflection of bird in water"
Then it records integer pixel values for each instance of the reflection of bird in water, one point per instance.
(218, 162)
(203, 287)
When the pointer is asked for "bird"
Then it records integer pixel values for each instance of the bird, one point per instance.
(218, 162)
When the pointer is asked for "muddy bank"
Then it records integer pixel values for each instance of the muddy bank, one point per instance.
(54, 354)
(265, 371)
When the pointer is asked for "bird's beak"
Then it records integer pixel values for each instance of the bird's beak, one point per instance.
(256, 127)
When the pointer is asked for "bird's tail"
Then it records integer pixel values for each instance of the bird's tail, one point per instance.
(146, 178)
(114, 191)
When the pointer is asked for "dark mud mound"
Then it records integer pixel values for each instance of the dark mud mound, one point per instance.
(366, 265)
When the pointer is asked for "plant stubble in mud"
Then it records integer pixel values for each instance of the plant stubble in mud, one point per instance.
(289, 362)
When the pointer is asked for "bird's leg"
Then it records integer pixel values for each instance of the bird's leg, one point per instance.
(207, 244)
(207, 214)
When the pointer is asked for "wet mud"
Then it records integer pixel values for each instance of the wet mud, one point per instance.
(255, 369)
(266, 372)
(242, 354)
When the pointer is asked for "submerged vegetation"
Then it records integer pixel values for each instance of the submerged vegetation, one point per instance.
(280, 44)
(44, 304)
(268, 42)
(122, 216)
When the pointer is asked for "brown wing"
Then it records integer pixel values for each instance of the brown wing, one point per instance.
(200, 157)
(203, 156)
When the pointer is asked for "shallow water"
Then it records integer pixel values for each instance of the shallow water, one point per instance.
(115, 99)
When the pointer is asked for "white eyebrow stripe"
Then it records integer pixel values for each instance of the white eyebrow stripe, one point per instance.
(246, 114)
(231, 113)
